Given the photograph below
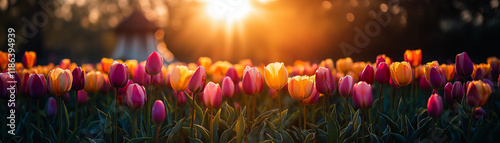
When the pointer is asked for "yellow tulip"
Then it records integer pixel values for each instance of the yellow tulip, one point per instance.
(59, 81)
(179, 78)
(93, 81)
(300, 87)
(344, 65)
(205, 62)
(276, 75)
(218, 70)
(401, 73)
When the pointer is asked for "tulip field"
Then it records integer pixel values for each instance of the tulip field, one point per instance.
(335, 100)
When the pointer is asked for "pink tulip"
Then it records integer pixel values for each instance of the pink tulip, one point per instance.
(198, 80)
(346, 84)
(212, 96)
(136, 96)
(362, 97)
(118, 75)
(447, 94)
(233, 74)
(123, 90)
(325, 84)
(141, 77)
(180, 98)
(383, 74)
(367, 75)
(252, 82)
(158, 112)
(78, 78)
(227, 87)
(154, 63)
(435, 105)
(158, 80)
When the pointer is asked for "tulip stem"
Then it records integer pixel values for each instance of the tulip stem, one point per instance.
(253, 106)
(211, 126)
(158, 126)
(59, 133)
(281, 110)
(300, 119)
(115, 131)
(305, 116)
(324, 107)
(134, 123)
(380, 99)
(470, 122)
(193, 113)
(76, 110)
(347, 108)
(148, 108)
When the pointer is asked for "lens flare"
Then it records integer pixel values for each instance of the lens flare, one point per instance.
(228, 10)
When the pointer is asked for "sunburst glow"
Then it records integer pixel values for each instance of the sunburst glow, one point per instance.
(228, 10)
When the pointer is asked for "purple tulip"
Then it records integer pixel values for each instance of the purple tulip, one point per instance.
(436, 78)
(82, 97)
(479, 111)
(367, 75)
(362, 96)
(4, 93)
(227, 87)
(435, 105)
(457, 92)
(37, 86)
(158, 112)
(447, 94)
(198, 80)
(78, 79)
(136, 96)
(383, 74)
(463, 65)
(325, 84)
(154, 63)
(346, 84)
(424, 84)
(118, 74)
(51, 107)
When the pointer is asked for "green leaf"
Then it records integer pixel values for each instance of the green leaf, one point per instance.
(197, 108)
(394, 126)
(139, 140)
(264, 115)
(225, 135)
(333, 129)
(66, 116)
(172, 133)
(215, 125)
(424, 128)
(398, 138)
(204, 131)
(309, 138)
(240, 129)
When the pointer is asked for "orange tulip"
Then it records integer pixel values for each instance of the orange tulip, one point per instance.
(344, 65)
(131, 64)
(93, 81)
(179, 78)
(29, 59)
(481, 71)
(401, 73)
(434, 75)
(276, 75)
(4, 61)
(328, 63)
(59, 81)
(218, 70)
(449, 71)
(478, 93)
(106, 64)
(205, 62)
(65, 64)
(414, 57)
(300, 87)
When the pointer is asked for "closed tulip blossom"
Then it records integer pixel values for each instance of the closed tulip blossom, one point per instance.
(463, 65)
(447, 94)
(457, 91)
(276, 75)
(158, 112)
(179, 78)
(252, 82)
(37, 86)
(136, 96)
(140, 75)
(423, 83)
(367, 75)
(435, 105)
(94, 81)
(362, 96)
(414, 57)
(325, 83)
(383, 58)
(449, 71)
(29, 59)
(157, 80)
(435, 75)
(154, 63)
(212, 95)
(300, 87)
(59, 81)
(478, 112)
(401, 73)
(78, 78)
(344, 65)
(227, 87)
(233, 74)
(495, 66)
(51, 107)
(198, 80)
(106, 86)
(478, 93)
(82, 97)
(346, 84)
(118, 75)
(383, 74)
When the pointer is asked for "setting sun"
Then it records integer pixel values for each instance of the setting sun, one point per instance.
(228, 10)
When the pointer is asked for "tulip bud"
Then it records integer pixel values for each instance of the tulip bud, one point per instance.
(154, 63)
(106, 86)
(435, 105)
(212, 96)
(82, 97)
(78, 79)
(345, 86)
(59, 81)
(227, 87)
(463, 65)
(300, 87)
(447, 94)
(233, 74)
(118, 75)
(37, 86)
(136, 96)
(312, 99)
(140, 76)
(424, 84)
(198, 80)
(362, 97)
(401, 73)
(157, 80)
(51, 107)
(94, 81)
(180, 77)
(180, 98)
(383, 58)
(478, 93)
(414, 57)
(449, 71)
(434, 75)
(252, 81)
(383, 74)
(457, 92)
(276, 75)
(29, 59)
(367, 75)
(325, 84)
(158, 112)
(479, 111)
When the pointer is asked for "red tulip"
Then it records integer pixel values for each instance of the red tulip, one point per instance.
(65, 64)
(227, 87)
(233, 74)
(362, 97)
(325, 84)
(367, 75)
(78, 78)
(158, 112)
(447, 94)
(136, 96)
(154, 63)
(198, 79)
(252, 82)
(345, 86)
(118, 75)
(435, 105)
(212, 95)
(383, 74)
